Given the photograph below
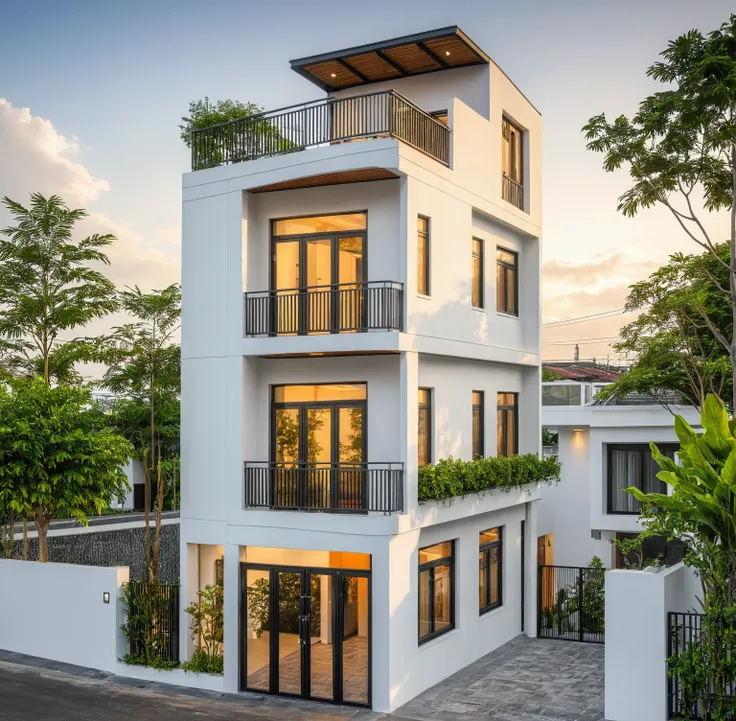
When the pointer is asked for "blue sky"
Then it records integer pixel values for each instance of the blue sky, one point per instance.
(106, 83)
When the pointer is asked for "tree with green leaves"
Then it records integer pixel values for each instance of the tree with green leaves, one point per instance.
(58, 456)
(674, 347)
(681, 145)
(48, 288)
(701, 510)
(253, 136)
(144, 370)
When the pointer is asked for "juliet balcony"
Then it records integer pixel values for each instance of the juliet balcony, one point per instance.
(340, 308)
(384, 114)
(326, 487)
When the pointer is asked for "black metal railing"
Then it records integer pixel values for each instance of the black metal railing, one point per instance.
(321, 122)
(512, 191)
(152, 621)
(345, 308)
(337, 487)
(571, 603)
(698, 698)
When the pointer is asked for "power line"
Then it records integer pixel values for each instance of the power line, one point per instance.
(580, 340)
(583, 318)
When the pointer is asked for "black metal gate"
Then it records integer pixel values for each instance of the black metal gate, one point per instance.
(571, 603)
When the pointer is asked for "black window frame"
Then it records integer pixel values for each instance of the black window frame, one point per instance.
(430, 566)
(481, 409)
(428, 408)
(645, 455)
(427, 269)
(505, 268)
(512, 126)
(485, 549)
(479, 257)
(503, 420)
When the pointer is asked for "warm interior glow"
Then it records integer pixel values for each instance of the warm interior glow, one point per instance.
(327, 392)
(309, 559)
(320, 224)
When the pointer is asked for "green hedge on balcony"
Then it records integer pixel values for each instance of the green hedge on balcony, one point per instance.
(453, 477)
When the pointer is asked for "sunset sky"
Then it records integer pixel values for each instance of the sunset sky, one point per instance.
(91, 94)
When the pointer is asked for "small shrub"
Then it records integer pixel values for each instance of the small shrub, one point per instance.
(453, 477)
(207, 614)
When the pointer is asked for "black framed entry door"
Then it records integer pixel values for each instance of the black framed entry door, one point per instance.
(306, 632)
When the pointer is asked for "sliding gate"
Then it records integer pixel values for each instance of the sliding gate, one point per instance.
(571, 603)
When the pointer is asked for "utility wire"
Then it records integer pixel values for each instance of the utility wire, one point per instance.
(583, 318)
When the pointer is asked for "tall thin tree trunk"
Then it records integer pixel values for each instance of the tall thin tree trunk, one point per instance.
(42, 527)
(160, 504)
(733, 279)
(25, 539)
(147, 517)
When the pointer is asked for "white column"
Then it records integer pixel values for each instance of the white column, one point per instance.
(408, 389)
(530, 569)
(232, 619)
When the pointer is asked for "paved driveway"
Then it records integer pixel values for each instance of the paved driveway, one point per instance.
(525, 680)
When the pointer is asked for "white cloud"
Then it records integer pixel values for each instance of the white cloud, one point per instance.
(36, 157)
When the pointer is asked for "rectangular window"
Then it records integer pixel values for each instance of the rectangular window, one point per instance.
(507, 281)
(512, 164)
(424, 439)
(507, 424)
(490, 561)
(440, 115)
(436, 590)
(423, 255)
(633, 465)
(478, 425)
(477, 274)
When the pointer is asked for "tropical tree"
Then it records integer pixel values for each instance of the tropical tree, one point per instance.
(58, 456)
(681, 146)
(672, 343)
(144, 371)
(48, 287)
(205, 114)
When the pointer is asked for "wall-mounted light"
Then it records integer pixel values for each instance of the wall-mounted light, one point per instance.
(105, 597)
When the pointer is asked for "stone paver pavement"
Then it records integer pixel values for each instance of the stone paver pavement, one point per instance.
(525, 680)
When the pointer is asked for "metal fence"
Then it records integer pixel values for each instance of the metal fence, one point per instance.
(345, 487)
(571, 603)
(152, 621)
(512, 191)
(321, 122)
(350, 307)
(699, 695)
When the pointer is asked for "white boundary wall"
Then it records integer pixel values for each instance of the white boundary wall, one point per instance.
(637, 604)
(56, 611)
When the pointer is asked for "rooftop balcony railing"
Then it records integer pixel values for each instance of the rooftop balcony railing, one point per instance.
(321, 122)
(512, 192)
(345, 308)
(334, 487)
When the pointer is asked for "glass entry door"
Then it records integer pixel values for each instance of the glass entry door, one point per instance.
(307, 633)
(316, 278)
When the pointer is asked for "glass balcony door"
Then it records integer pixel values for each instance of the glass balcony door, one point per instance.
(319, 446)
(316, 278)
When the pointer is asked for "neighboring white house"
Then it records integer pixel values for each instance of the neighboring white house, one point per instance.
(360, 281)
(603, 448)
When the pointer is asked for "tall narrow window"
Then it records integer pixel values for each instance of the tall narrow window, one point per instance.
(424, 440)
(490, 559)
(423, 255)
(436, 592)
(478, 426)
(512, 164)
(507, 281)
(507, 424)
(632, 465)
(477, 273)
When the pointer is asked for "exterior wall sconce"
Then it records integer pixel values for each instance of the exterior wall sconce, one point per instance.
(105, 597)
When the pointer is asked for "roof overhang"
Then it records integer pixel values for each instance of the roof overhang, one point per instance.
(428, 52)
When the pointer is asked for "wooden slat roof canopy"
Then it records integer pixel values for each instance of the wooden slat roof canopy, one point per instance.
(402, 57)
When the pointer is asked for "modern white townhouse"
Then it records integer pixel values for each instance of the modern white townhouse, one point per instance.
(361, 298)
(603, 448)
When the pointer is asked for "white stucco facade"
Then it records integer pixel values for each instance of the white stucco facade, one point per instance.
(445, 344)
(577, 511)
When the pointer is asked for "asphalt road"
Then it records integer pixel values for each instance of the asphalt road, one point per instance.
(30, 693)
